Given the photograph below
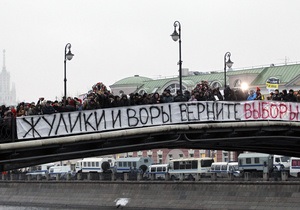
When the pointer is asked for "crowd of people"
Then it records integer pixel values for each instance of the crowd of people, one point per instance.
(100, 97)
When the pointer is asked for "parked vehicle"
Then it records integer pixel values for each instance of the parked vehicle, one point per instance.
(189, 167)
(41, 170)
(295, 166)
(222, 169)
(61, 170)
(282, 162)
(98, 165)
(255, 162)
(159, 170)
(261, 162)
(130, 164)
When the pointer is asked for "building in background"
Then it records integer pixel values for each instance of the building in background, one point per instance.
(7, 92)
(266, 78)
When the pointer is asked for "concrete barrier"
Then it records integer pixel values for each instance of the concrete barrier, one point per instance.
(247, 176)
(113, 177)
(198, 177)
(125, 177)
(284, 175)
(230, 177)
(213, 176)
(152, 195)
(79, 176)
(266, 176)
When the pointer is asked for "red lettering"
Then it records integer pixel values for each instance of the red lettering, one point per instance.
(256, 112)
(247, 111)
(283, 109)
(265, 110)
(274, 111)
(294, 114)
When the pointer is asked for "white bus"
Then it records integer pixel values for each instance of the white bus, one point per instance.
(224, 168)
(189, 167)
(159, 170)
(95, 164)
(295, 166)
(130, 164)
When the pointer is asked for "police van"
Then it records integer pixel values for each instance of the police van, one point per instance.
(222, 169)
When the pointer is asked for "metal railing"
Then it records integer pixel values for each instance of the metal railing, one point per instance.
(7, 129)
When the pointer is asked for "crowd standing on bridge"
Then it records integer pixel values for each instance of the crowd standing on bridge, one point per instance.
(100, 98)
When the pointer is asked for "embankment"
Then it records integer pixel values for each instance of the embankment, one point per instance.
(152, 195)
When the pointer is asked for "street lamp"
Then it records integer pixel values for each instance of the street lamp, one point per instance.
(228, 63)
(68, 56)
(177, 36)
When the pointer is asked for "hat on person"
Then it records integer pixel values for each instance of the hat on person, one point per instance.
(257, 89)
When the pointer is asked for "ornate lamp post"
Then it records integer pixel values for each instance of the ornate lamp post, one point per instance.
(227, 63)
(68, 56)
(177, 36)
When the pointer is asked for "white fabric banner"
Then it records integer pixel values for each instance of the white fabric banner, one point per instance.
(99, 120)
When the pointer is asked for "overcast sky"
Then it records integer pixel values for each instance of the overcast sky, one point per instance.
(112, 40)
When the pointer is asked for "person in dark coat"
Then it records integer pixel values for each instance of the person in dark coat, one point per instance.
(291, 97)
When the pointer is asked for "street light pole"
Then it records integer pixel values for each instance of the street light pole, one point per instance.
(228, 63)
(177, 36)
(68, 56)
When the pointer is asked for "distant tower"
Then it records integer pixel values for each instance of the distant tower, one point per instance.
(7, 95)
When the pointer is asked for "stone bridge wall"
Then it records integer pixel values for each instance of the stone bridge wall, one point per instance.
(152, 195)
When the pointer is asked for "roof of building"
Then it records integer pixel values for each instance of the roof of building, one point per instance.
(285, 73)
(136, 79)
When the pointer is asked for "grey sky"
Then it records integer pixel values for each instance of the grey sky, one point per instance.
(116, 39)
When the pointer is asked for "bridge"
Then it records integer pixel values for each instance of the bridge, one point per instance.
(258, 126)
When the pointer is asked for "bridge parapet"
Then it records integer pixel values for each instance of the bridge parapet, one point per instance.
(261, 126)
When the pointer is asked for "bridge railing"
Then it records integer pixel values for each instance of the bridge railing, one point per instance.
(8, 130)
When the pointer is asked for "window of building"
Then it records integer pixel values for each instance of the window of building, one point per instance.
(174, 87)
(216, 85)
(142, 92)
(237, 83)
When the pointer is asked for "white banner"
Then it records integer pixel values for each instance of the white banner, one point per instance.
(99, 120)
